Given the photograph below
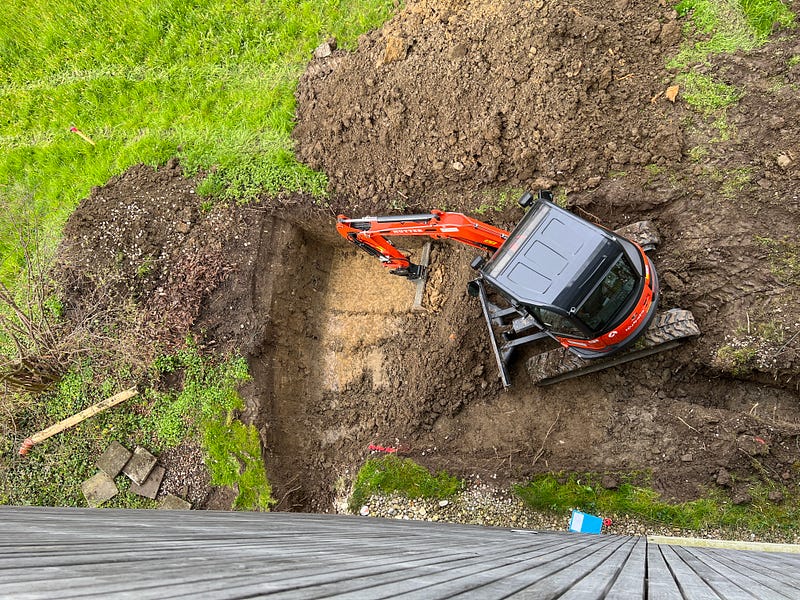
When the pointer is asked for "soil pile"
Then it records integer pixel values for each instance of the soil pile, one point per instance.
(452, 97)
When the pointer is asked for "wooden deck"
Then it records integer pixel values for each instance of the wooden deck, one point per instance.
(75, 553)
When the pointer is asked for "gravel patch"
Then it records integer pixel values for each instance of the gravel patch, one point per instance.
(482, 504)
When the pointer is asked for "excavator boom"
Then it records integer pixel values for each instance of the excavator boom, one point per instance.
(371, 233)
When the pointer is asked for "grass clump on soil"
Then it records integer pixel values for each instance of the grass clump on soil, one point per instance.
(784, 258)
(205, 408)
(722, 27)
(705, 94)
(201, 411)
(391, 474)
(499, 200)
(209, 81)
(725, 26)
(558, 494)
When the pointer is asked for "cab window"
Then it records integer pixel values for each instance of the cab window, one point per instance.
(608, 297)
(557, 323)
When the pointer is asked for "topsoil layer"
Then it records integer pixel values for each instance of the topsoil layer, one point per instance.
(445, 106)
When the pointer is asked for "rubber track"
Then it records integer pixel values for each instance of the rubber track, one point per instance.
(668, 329)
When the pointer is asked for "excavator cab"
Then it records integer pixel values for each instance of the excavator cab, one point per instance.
(579, 281)
(591, 290)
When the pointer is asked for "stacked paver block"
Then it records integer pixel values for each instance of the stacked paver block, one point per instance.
(139, 466)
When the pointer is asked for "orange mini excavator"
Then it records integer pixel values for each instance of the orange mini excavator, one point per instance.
(555, 276)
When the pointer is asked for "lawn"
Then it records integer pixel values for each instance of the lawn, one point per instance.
(209, 81)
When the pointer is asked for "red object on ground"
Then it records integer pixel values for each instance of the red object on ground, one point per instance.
(387, 449)
(606, 522)
(85, 137)
(26, 446)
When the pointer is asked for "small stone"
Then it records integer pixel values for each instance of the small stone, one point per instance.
(753, 445)
(364, 511)
(609, 482)
(99, 488)
(687, 457)
(775, 496)
(324, 50)
(172, 502)
(458, 166)
(149, 487)
(742, 497)
(140, 465)
(458, 51)
(395, 49)
(443, 503)
(593, 182)
(784, 161)
(113, 459)
(182, 227)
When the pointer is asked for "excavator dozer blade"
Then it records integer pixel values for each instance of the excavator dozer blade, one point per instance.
(668, 330)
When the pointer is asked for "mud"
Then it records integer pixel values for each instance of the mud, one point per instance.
(520, 95)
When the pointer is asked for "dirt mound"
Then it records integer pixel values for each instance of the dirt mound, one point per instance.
(452, 97)
(145, 238)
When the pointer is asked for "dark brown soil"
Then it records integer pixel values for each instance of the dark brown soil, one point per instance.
(444, 107)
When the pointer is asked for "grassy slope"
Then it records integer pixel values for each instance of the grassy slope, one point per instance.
(210, 81)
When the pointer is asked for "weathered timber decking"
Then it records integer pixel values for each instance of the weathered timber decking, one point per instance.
(79, 553)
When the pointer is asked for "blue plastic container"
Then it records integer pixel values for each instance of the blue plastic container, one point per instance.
(583, 523)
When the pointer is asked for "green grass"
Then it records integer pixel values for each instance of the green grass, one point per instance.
(209, 81)
(391, 474)
(202, 410)
(205, 408)
(555, 494)
(725, 26)
(721, 27)
(705, 94)
(499, 200)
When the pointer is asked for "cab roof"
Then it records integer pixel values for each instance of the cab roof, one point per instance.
(551, 258)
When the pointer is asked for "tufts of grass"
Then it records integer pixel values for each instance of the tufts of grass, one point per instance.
(784, 258)
(725, 26)
(551, 493)
(391, 474)
(500, 200)
(736, 359)
(705, 94)
(205, 409)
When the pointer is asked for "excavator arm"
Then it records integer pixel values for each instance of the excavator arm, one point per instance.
(371, 233)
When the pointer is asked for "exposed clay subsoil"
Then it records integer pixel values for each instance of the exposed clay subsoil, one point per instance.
(444, 106)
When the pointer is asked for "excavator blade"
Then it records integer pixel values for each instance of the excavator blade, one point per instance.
(668, 330)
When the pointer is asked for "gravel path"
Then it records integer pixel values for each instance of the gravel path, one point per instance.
(481, 504)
